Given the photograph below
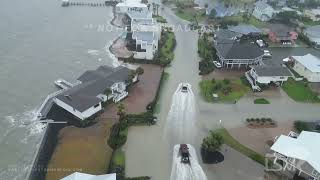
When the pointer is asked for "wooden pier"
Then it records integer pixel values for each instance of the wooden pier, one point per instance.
(66, 3)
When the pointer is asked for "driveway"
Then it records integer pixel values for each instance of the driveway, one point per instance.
(235, 166)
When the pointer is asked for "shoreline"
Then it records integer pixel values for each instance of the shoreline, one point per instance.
(41, 152)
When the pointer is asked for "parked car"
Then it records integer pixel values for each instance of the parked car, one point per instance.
(217, 64)
(260, 43)
(267, 54)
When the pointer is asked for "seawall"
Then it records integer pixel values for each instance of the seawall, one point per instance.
(43, 154)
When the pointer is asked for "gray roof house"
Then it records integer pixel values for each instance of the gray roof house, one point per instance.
(237, 52)
(245, 29)
(313, 33)
(266, 75)
(263, 11)
(84, 100)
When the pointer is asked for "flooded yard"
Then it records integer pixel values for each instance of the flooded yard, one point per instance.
(86, 149)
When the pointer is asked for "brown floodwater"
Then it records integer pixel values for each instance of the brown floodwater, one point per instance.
(81, 149)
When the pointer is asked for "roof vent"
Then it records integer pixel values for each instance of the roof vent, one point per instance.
(68, 97)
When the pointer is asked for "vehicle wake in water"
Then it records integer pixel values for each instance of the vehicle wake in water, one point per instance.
(181, 120)
(186, 170)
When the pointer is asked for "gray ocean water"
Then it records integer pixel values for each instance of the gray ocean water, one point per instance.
(40, 41)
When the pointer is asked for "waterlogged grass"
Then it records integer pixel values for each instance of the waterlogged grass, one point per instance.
(118, 158)
(227, 90)
(189, 14)
(261, 101)
(300, 91)
(252, 20)
(168, 43)
(230, 141)
(160, 19)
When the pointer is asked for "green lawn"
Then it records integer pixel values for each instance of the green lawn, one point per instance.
(311, 23)
(189, 13)
(253, 21)
(261, 101)
(118, 158)
(300, 91)
(230, 141)
(160, 19)
(227, 90)
(166, 50)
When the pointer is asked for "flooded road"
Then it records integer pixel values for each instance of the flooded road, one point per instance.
(147, 153)
(146, 144)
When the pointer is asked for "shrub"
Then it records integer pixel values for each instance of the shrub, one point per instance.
(139, 178)
(245, 81)
(143, 118)
(217, 86)
(226, 81)
(301, 126)
(117, 164)
(213, 142)
(226, 90)
(261, 101)
(118, 136)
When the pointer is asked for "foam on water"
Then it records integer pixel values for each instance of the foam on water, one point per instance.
(181, 171)
(115, 61)
(181, 127)
(25, 130)
(93, 52)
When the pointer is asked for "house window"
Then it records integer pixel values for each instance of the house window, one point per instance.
(95, 106)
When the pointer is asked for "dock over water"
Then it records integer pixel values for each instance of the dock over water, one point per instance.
(66, 3)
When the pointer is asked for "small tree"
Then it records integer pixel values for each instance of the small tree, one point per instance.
(213, 142)
(121, 113)
(107, 92)
(140, 71)
(131, 75)
(213, 14)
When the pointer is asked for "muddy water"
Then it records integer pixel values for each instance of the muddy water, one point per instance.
(146, 151)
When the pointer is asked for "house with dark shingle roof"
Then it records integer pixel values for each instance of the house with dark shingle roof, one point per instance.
(235, 52)
(97, 86)
(265, 75)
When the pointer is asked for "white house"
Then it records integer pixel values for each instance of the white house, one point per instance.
(263, 11)
(307, 66)
(299, 153)
(98, 86)
(132, 7)
(313, 14)
(266, 75)
(146, 43)
(84, 176)
(146, 25)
